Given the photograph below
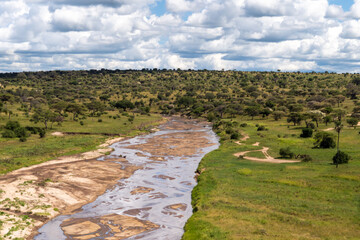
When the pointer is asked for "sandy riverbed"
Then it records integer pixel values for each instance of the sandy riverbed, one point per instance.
(31, 196)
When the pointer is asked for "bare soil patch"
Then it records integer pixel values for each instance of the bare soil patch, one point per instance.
(175, 144)
(43, 191)
(111, 227)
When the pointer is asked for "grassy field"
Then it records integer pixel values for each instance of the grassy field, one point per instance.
(241, 199)
(15, 154)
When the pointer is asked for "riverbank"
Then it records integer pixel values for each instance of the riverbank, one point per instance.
(239, 198)
(31, 196)
(35, 195)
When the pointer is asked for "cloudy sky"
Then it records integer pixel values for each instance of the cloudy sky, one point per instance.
(291, 35)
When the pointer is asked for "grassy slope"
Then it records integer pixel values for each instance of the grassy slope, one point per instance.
(15, 154)
(241, 199)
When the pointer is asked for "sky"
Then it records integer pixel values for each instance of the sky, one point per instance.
(247, 35)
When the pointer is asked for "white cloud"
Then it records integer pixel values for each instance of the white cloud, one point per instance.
(214, 34)
(335, 11)
(355, 10)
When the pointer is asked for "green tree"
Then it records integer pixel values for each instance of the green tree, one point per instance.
(43, 116)
(295, 118)
(352, 122)
(124, 104)
(252, 111)
(95, 107)
(324, 140)
(340, 158)
(75, 109)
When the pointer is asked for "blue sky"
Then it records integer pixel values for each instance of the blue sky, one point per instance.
(159, 8)
(291, 35)
(346, 4)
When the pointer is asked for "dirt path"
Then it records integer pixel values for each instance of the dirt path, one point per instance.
(264, 150)
(330, 129)
(245, 137)
(268, 158)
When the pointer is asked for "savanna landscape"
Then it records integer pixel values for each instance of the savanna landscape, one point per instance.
(287, 166)
(180, 119)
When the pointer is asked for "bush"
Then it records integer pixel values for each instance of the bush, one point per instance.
(33, 130)
(243, 125)
(324, 140)
(261, 128)
(21, 132)
(100, 120)
(12, 125)
(306, 158)
(23, 139)
(81, 123)
(8, 134)
(340, 158)
(306, 133)
(42, 132)
(311, 125)
(286, 153)
(235, 135)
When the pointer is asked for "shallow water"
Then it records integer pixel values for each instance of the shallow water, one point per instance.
(170, 181)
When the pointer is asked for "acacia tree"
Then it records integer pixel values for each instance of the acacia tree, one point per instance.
(353, 122)
(340, 157)
(252, 111)
(295, 118)
(75, 109)
(44, 116)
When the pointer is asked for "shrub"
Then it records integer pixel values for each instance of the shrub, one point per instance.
(12, 125)
(23, 139)
(340, 158)
(306, 158)
(8, 134)
(324, 140)
(235, 135)
(311, 125)
(42, 132)
(21, 132)
(286, 153)
(243, 125)
(261, 128)
(81, 123)
(33, 130)
(306, 133)
(99, 120)
(211, 117)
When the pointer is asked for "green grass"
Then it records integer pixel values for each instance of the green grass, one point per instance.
(257, 154)
(15, 154)
(241, 199)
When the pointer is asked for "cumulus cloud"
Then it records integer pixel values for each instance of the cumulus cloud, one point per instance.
(290, 35)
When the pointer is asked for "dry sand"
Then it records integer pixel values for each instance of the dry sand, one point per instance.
(31, 196)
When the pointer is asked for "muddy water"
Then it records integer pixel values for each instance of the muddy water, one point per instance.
(155, 202)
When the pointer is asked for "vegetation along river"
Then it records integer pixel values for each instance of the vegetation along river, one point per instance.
(155, 202)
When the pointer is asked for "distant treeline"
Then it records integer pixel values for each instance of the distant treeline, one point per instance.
(55, 95)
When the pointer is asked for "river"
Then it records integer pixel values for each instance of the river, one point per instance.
(155, 202)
